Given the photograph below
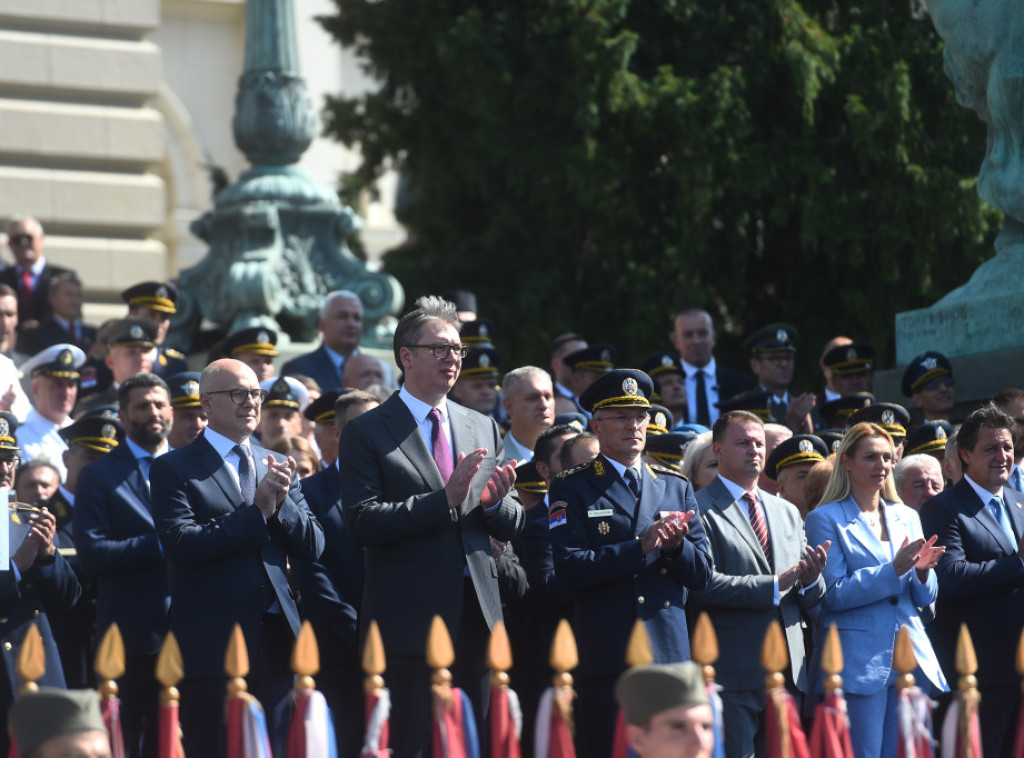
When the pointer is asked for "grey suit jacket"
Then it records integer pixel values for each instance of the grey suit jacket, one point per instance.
(740, 598)
(416, 548)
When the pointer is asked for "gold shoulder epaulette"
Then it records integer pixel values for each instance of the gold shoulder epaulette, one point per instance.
(574, 470)
(177, 354)
(666, 470)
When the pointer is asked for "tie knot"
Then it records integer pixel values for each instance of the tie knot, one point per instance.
(243, 452)
(435, 415)
(750, 497)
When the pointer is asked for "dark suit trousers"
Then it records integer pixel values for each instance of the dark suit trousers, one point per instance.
(409, 678)
(140, 697)
(595, 714)
(270, 679)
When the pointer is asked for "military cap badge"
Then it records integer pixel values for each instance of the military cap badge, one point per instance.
(806, 446)
(888, 418)
(629, 386)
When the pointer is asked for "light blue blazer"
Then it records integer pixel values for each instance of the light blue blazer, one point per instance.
(865, 598)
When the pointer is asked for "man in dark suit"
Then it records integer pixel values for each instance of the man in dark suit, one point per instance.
(64, 324)
(764, 572)
(980, 522)
(627, 546)
(227, 540)
(341, 327)
(30, 278)
(424, 484)
(707, 382)
(330, 590)
(117, 543)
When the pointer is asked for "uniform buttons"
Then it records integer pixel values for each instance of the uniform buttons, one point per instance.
(640, 600)
(664, 571)
(3, 621)
(668, 604)
(7, 646)
(35, 614)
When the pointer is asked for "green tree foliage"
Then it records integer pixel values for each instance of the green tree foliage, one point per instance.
(596, 164)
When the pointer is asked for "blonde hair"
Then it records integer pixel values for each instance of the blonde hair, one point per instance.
(694, 454)
(839, 485)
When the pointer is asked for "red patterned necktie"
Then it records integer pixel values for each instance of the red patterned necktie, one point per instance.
(26, 291)
(440, 448)
(759, 525)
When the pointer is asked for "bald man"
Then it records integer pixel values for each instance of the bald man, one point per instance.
(229, 513)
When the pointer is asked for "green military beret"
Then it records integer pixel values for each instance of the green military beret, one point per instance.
(50, 712)
(645, 691)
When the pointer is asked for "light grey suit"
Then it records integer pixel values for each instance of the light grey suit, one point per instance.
(740, 602)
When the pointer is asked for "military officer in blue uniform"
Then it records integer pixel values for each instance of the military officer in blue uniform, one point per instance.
(627, 546)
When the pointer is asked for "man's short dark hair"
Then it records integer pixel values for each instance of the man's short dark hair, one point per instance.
(565, 455)
(562, 339)
(346, 401)
(1007, 397)
(7, 290)
(428, 308)
(723, 421)
(146, 380)
(31, 465)
(986, 417)
(545, 444)
(64, 276)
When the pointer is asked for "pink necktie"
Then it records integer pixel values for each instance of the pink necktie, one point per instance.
(439, 444)
(759, 525)
(26, 291)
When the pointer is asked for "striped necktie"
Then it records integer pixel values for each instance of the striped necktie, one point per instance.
(759, 525)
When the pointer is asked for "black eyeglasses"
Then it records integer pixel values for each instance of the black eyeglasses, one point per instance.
(12, 461)
(441, 349)
(239, 394)
(21, 239)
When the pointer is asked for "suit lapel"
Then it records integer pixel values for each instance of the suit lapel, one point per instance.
(861, 532)
(213, 464)
(402, 427)
(987, 518)
(737, 514)
(128, 467)
(1015, 507)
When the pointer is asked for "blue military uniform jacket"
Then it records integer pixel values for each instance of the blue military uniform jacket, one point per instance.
(596, 525)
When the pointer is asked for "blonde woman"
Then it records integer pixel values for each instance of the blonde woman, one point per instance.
(879, 571)
(699, 463)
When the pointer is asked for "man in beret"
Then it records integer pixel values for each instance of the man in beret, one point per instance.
(666, 710)
(55, 723)
(707, 381)
(157, 302)
(627, 546)
(928, 382)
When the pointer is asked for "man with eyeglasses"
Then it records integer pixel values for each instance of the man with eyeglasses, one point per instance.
(928, 381)
(118, 545)
(40, 583)
(228, 515)
(772, 352)
(31, 275)
(424, 485)
(628, 545)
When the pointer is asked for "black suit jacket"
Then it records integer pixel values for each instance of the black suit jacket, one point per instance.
(731, 382)
(227, 563)
(981, 581)
(317, 365)
(117, 543)
(40, 309)
(416, 548)
(50, 332)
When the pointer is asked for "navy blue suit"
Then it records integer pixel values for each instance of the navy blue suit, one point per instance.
(599, 559)
(23, 603)
(981, 583)
(117, 543)
(329, 594)
(317, 365)
(227, 566)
